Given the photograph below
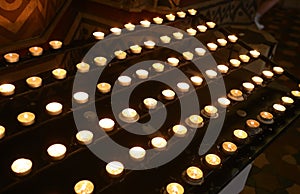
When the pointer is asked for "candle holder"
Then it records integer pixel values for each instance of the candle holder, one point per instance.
(194, 121)
(265, 117)
(240, 136)
(210, 111)
(129, 115)
(253, 127)
(212, 161)
(193, 175)
(236, 95)
(228, 148)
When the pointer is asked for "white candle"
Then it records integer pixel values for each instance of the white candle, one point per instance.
(129, 26)
(192, 11)
(211, 24)
(116, 31)
(202, 28)
(194, 173)
(278, 70)
(200, 51)
(26, 118)
(83, 67)
(150, 103)
(196, 80)
(54, 108)
(188, 55)
(287, 100)
(98, 35)
(34, 82)
(55, 44)
(232, 38)
(7, 89)
(165, 39)
(104, 87)
(183, 87)
(222, 41)
(235, 62)
(210, 110)
(212, 46)
(84, 187)
(149, 44)
(36, 51)
(195, 120)
(11, 57)
(124, 80)
(170, 17)
(2, 132)
(59, 73)
(244, 58)
(191, 31)
(236, 93)
(114, 168)
(279, 108)
(224, 102)
(178, 35)
(159, 143)
(240, 134)
(135, 49)
(212, 160)
(84, 137)
(100, 61)
(229, 147)
(158, 20)
(107, 124)
(129, 114)
(257, 80)
(173, 61)
(81, 97)
(21, 166)
(295, 93)
(254, 53)
(168, 94)
(145, 23)
(211, 74)
(248, 86)
(174, 188)
(181, 14)
(137, 153)
(179, 130)
(158, 67)
(120, 54)
(267, 74)
(222, 68)
(142, 74)
(57, 151)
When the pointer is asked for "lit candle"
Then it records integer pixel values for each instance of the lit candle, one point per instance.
(235, 62)
(145, 23)
(114, 168)
(188, 55)
(59, 73)
(278, 108)
(158, 67)
(165, 39)
(211, 24)
(174, 188)
(202, 28)
(168, 94)
(158, 20)
(254, 53)
(120, 54)
(104, 87)
(236, 93)
(159, 143)
(26, 118)
(11, 57)
(55, 44)
(191, 31)
(194, 173)
(129, 114)
(222, 68)
(287, 100)
(295, 93)
(200, 51)
(179, 130)
(107, 124)
(84, 187)
(248, 87)
(252, 124)
(244, 58)
(137, 153)
(136, 49)
(170, 17)
(267, 74)
(150, 103)
(83, 67)
(211, 74)
(2, 132)
(229, 147)
(240, 134)
(266, 116)
(224, 102)
(212, 160)
(116, 31)
(54, 108)
(124, 80)
(183, 87)
(192, 11)
(100, 61)
(232, 38)
(57, 151)
(98, 35)
(129, 26)
(21, 166)
(196, 80)
(181, 14)
(278, 70)
(84, 137)
(7, 89)
(257, 80)
(210, 111)
(195, 121)
(173, 61)
(178, 35)
(212, 46)
(142, 74)
(36, 51)
(222, 41)
(81, 97)
(149, 44)
(34, 82)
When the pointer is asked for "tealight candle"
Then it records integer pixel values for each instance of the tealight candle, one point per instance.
(142, 74)
(179, 130)
(223, 102)
(267, 74)
(100, 61)
(84, 187)
(26, 118)
(295, 93)
(137, 153)
(248, 87)
(104, 87)
(116, 31)
(240, 134)
(192, 11)
(191, 31)
(222, 41)
(149, 44)
(279, 108)
(232, 38)
(170, 17)
(183, 87)
(168, 94)
(84, 137)
(124, 80)
(266, 116)
(136, 49)
(158, 67)
(59, 73)
(211, 24)
(174, 188)
(257, 80)
(278, 70)
(194, 173)
(165, 39)
(107, 124)
(222, 68)
(212, 46)
(2, 132)
(129, 114)
(11, 57)
(55, 44)
(54, 108)
(254, 53)
(211, 74)
(159, 143)
(235, 62)
(195, 121)
(178, 35)
(98, 35)
(212, 160)
(129, 26)
(196, 80)
(236, 93)
(252, 124)
(173, 61)
(21, 166)
(202, 28)
(181, 14)
(57, 151)
(200, 51)
(229, 147)
(210, 111)
(145, 23)
(34, 82)
(36, 51)
(120, 54)
(114, 168)
(244, 58)
(83, 67)
(7, 89)
(81, 97)
(188, 55)
(158, 20)
(150, 103)
(287, 100)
